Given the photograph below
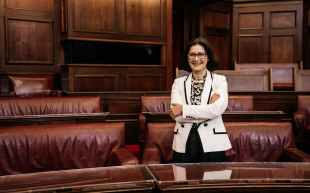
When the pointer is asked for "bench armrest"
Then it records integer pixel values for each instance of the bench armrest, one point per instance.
(143, 129)
(294, 154)
(151, 155)
(122, 156)
(300, 120)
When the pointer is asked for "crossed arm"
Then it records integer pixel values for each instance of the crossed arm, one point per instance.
(192, 113)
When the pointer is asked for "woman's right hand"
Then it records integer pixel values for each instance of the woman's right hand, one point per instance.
(214, 97)
(175, 110)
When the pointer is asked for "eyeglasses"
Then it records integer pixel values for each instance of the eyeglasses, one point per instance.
(199, 55)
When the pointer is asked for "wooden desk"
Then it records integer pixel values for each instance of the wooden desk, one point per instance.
(31, 119)
(105, 179)
(228, 116)
(255, 177)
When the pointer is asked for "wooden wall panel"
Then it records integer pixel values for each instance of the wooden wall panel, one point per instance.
(124, 105)
(143, 17)
(306, 35)
(116, 20)
(251, 21)
(147, 82)
(215, 25)
(28, 33)
(215, 19)
(249, 43)
(32, 5)
(283, 20)
(1, 8)
(102, 82)
(251, 49)
(302, 79)
(94, 15)
(3, 86)
(282, 49)
(29, 42)
(279, 26)
(2, 40)
(258, 80)
(221, 50)
(103, 77)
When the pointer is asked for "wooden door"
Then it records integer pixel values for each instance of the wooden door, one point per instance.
(285, 33)
(29, 35)
(250, 38)
(268, 32)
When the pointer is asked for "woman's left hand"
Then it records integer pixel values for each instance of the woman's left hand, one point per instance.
(176, 110)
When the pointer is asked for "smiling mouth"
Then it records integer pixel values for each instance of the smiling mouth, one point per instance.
(196, 63)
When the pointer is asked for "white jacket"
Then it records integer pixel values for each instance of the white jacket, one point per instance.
(212, 131)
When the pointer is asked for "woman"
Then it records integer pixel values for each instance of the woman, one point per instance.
(197, 103)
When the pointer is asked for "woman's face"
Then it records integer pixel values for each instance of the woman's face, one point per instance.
(197, 58)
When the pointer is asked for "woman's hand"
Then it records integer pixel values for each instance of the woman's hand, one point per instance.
(214, 97)
(175, 110)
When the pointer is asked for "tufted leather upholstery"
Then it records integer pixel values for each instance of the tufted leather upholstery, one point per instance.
(34, 148)
(251, 141)
(18, 106)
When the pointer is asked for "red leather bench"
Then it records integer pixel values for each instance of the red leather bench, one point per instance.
(36, 148)
(43, 105)
(251, 141)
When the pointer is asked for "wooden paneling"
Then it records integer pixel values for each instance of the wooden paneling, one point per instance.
(215, 25)
(2, 41)
(1, 8)
(283, 20)
(249, 42)
(32, 5)
(99, 78)
(279, 26)
(1, 36)
(28, 35)
(94, 16)
(221, 48)
(251, 49)
(282, 49)
(150, 82)
(144, 17)
(116, 20)
(250, 80)
(251, 21)
(214, 19)
(100, 82)
(282, 74)
(306, 35)
(302, 80)
(29, 42)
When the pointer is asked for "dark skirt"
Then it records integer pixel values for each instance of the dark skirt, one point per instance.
(194, 150)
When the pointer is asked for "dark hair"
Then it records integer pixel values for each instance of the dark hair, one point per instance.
(212, 63)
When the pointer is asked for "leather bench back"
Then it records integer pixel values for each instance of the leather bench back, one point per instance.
(18, 106)
(34, 148)
(251, 141)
